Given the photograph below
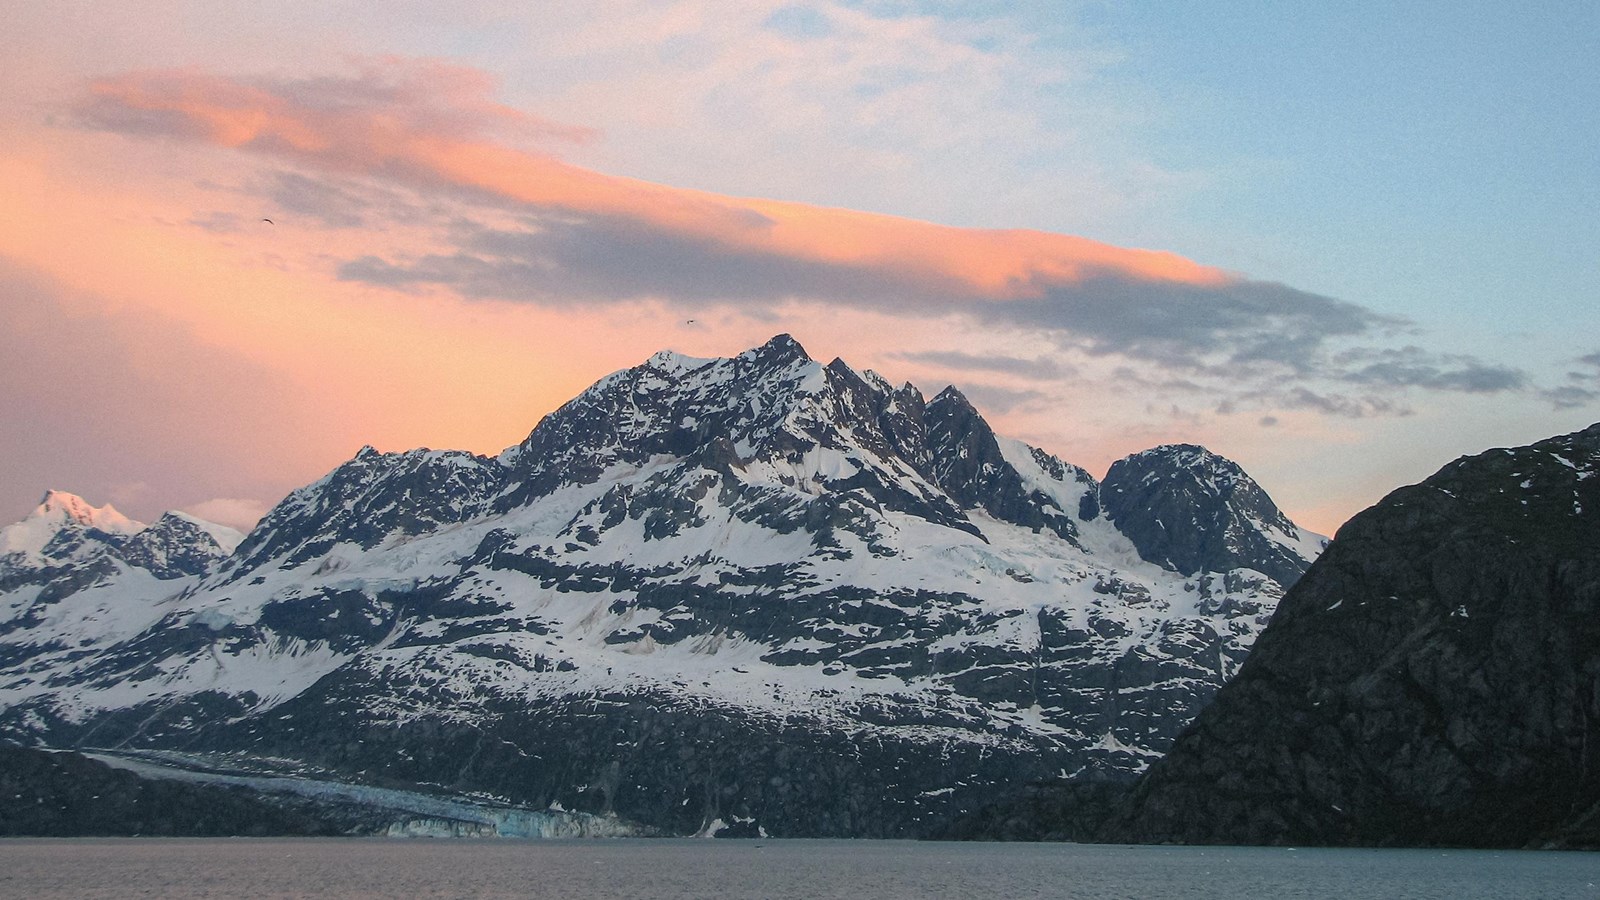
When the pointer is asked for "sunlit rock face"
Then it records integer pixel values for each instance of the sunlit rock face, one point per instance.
(1432, 680)
(748, 595)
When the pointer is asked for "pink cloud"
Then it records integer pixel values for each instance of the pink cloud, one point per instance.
(433, 124)
(569, 236)
(240, 514)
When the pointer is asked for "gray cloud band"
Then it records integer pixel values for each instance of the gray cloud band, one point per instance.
(1238, 337)
(1240, 330)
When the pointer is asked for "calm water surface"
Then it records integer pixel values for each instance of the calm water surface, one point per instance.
(181, 869)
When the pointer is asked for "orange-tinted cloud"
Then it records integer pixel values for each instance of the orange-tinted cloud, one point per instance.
(228, 364)
(433, 124)
(589, 236)
(581, 236)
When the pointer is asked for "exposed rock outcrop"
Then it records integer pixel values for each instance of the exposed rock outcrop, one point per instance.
(1434, 679)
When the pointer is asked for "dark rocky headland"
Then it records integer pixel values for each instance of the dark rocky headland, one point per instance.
(1432, 680)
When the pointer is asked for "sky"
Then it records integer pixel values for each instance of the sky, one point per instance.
(1341, 244)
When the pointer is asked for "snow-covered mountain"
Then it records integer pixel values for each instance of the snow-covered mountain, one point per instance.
(64, 528)
(760, 594)
(67, 540)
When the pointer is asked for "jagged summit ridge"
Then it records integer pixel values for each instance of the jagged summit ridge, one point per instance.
(808, 426)
(761, 400)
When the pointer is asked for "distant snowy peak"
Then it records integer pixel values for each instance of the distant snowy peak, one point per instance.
(1190, 510)
(66, 530)
(61, 506)
(56, 527)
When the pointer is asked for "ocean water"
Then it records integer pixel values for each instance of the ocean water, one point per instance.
(859, 870)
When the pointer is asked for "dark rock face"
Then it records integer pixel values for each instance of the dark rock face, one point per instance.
(372, 497)
(175, 546)
(1187, 508)
(1434, 679)
(965, 460)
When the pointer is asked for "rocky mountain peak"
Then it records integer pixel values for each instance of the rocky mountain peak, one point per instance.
(952, 398)
(225, 537)
(781, 349)
(369, 498)
(1189, 509)
(63, 526)
(178, 544)
(1214, 473)
(60, 506)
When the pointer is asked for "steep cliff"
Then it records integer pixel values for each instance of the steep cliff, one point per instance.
(1433, 679)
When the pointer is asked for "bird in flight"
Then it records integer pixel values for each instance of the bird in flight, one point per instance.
(269, 221)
